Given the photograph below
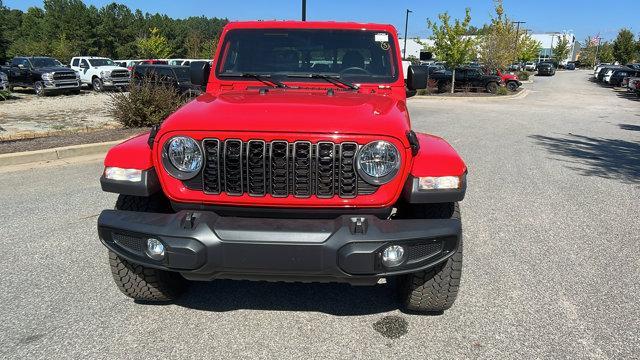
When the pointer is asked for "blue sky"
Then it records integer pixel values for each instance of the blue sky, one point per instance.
(541, 15)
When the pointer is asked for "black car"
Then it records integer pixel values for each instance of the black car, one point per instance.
(467, 77)
(43, 74)
(177, 77)
(615, 79)
(546, 68)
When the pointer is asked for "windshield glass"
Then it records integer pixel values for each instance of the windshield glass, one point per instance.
(101, 62)
(44, 62)
(355, 55)
(182, 74)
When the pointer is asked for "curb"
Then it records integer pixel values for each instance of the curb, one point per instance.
(521, 94)
(56, 153)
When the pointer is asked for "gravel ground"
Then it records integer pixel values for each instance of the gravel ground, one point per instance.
(550, 270)
(29, 113)
(77, 138)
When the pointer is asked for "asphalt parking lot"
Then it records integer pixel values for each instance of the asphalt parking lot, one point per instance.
(551, 266)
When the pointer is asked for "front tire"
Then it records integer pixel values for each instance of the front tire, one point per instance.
(492, 87)
(434, 290)
(38, 87)
(137, 281)
(512, 86)
(96, 83)
(143, 283)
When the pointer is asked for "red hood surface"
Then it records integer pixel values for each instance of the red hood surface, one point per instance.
(293, 110)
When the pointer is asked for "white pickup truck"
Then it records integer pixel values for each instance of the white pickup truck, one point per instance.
(101, 73)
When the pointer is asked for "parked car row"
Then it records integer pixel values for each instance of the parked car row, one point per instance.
(46, 75)
(614, 75)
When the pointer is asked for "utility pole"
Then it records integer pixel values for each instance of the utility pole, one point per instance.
(517, 36)
(406, 26)
(304, 10)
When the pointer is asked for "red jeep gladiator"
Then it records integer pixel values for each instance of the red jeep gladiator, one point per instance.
(298, 163)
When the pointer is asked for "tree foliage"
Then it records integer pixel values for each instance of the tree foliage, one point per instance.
(154, 46)
(561, 50)
(66, 28)
(528, 48)
(450, 44)
(624, 47)
(496, 43)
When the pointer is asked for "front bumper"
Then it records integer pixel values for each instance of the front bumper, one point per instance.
(205, 246)
(61, 85)
(116, 82)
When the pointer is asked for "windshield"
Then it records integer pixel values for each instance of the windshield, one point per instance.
(182, 73)
(44, 62)
(355, 55)
(101, 62)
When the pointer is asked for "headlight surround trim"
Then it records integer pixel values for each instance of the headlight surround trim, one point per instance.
(392, 171)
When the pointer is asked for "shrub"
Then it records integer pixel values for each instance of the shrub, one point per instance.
(523, 75)
(502, 90)
(422, 92)
(146, 104)
(5, 95)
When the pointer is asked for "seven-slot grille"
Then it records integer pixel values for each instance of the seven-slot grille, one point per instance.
(280, 169)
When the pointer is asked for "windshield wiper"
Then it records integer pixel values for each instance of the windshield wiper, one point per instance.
(265, 78)
(334, 79)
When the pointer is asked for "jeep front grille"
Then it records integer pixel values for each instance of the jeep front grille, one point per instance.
(280, 169)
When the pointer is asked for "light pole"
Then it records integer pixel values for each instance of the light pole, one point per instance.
(304, 10)
(406, 26)
(517, 36)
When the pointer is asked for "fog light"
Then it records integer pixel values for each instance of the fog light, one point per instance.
(155, 249)
(393, 256)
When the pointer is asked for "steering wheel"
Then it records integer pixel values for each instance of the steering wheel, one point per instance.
(355, 69)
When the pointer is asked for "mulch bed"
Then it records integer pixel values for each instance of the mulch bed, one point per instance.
(84, 137)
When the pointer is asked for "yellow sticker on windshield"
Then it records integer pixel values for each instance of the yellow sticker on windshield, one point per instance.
(384, 46)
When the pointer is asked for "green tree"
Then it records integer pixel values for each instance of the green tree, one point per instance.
(154, 46)
(605, 53)
(588, 54)
(561, 50)
(451, 46)
(528, 48)
(4, 42)
(624, 47)
(496, 42)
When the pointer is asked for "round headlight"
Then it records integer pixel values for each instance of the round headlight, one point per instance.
(184, 155)
(378, 162)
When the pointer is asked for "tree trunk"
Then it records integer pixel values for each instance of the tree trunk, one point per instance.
(453, 80)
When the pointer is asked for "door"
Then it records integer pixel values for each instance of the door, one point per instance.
(474, 78)
(20, 70)
(85, 76)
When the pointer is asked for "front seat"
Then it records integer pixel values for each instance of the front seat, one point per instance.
(352, 59)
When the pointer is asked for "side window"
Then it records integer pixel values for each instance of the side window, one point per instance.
(85, 63)
(166, 74)
(75, 62)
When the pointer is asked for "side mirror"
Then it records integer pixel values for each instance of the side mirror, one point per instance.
(199, 72)
(416, 77)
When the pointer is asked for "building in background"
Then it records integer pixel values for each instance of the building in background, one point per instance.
(550, 39)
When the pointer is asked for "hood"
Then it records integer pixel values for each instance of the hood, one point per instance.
(109, 68)
(54, 69)
(294, 110)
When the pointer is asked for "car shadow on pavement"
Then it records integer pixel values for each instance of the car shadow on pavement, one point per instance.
(628, 95)
(333, 299)
(590, 156)
(629, 127)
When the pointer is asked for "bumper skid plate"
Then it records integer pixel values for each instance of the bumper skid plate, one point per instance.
(205, 246)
